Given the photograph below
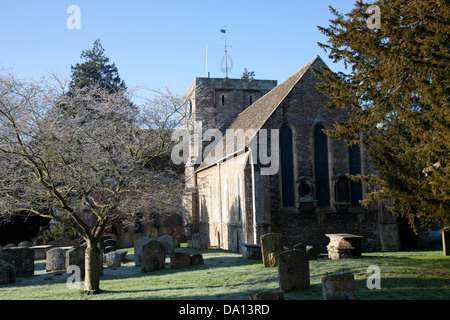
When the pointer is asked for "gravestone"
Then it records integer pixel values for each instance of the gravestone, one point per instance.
(110, 243)
(23, 260)
(293, 270)
(25, 244)
(168, 243)
(271, 246)
(197, 259)
(153, 256)
(7, 268)
(103, 239)
(126, 240)
(113, 259)
(138, 249)
(55, 259)
(76, 257)
(198, 241)
(179, 259)
(339, 286)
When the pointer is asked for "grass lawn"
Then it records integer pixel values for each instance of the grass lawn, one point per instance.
(405, 275)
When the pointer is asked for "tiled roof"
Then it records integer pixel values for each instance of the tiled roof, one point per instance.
(256, 115)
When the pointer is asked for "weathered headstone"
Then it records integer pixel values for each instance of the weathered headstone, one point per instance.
(197, 259)
(113, 259)
(198, 241)
(110, 243)
(293, 270)
(153, 256)
(126, 240)
(168, 243)
(103, 239)
(25, 244)
(138, 249)
(339, 286)
(179, 260)
(271, 246)
(55, 259)
(24, 261)
(268, 295)
(7, 268)
(76, 256)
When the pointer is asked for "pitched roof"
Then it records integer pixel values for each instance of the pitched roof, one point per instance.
(256, 115)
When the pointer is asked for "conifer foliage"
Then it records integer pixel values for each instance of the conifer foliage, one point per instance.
(396, 91)
(96, 70)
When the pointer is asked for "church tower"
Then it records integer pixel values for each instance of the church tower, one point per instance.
(213, 103)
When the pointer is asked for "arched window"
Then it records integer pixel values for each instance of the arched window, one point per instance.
(354, 156)
(287, 167)
(321, 166)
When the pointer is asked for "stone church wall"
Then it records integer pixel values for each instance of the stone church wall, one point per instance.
(310, 229)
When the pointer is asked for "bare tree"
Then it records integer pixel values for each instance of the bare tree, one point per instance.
(68, 156)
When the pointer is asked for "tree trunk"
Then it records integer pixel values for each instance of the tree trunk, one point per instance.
(92, 268)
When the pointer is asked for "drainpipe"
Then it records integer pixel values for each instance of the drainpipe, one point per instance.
(255, 240)
(220, 208)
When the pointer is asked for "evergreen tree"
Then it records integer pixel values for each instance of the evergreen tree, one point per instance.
(248, 75)
(397, 95)
(96, 70)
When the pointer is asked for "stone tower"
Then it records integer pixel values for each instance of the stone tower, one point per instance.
(214, 103)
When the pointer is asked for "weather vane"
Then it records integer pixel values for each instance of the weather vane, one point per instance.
(227, 63)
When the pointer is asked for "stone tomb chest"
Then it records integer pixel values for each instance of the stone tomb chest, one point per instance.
(343, 245)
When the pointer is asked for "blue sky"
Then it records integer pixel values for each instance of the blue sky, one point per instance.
(163, 43)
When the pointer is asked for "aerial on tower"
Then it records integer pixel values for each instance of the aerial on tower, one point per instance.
(227, 64)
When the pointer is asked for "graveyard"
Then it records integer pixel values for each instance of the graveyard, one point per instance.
(114, 191)
(416, 274)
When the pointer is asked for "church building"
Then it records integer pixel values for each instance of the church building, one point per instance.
(273, 168)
